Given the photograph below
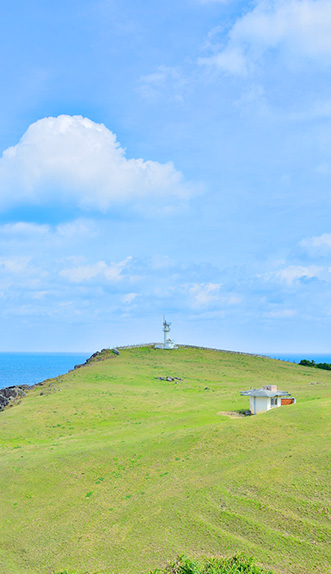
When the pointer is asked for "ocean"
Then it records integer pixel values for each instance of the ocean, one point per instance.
(296, 357)
(31, 368)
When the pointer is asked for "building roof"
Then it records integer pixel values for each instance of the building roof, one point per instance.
(264, 393)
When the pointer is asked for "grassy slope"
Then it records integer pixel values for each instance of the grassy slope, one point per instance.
(119, 472)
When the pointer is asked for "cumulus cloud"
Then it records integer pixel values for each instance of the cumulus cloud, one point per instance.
(300, 27)
(75, 161)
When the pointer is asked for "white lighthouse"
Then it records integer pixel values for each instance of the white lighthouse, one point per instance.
(168, 343)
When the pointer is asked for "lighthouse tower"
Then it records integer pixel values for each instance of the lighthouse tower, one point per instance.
(168, 343)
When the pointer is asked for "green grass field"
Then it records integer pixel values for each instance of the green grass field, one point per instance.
(107, 469)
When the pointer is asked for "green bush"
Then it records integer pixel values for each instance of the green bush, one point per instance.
(239, 564)
(324, 366)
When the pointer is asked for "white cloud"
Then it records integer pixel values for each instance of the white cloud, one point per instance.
(77, 228)
(17, 265)
(205, 293)
(166, 82)
(289, 275)
(39, 295)
(281, 313)
(111, 272)
(159, 262)
(317, 244)
(213, 1)
(18, 273)
(129, 298)
(208, 294)
(75, 161)
(231, 60)
(22, 229)
(49, 240)
(300, 27)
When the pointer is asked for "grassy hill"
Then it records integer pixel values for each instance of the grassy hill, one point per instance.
(108, 469)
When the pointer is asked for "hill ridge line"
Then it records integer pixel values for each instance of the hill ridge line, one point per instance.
(193, 347)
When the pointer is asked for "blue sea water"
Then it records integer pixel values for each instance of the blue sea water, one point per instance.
(296, 357)
(31, 368)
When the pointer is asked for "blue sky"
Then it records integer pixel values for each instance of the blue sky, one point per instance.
(165, 159)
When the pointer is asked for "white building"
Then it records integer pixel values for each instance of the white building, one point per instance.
(266, 398)
(168, 343)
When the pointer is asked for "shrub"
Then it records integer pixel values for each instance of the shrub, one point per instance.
(238, 564)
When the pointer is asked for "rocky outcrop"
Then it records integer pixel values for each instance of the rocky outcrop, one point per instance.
(9, 394)
(99, 356)
(169, 379)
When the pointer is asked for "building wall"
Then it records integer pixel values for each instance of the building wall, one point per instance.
(274, 403)
(262, 404)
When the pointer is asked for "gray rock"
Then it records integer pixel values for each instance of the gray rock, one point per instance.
(8, 394)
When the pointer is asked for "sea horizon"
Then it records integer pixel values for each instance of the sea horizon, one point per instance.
(297, 357)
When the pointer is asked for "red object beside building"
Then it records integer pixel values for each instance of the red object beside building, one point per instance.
(289, 401)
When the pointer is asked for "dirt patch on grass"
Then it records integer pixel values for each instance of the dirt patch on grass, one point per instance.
(231, 414)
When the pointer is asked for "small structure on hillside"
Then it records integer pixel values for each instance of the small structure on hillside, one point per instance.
(266, 398)
(168, 343)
